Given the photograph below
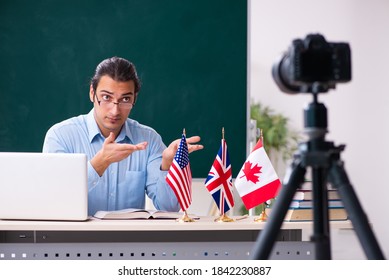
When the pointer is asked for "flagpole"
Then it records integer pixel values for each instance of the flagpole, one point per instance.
(262, 217)
(185, 218)
(223, 217)
(251, 210)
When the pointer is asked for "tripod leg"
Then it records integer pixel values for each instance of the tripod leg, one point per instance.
(321, 236)
(267, 237)
(339, 179)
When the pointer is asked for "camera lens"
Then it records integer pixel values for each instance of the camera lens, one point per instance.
(281, 75)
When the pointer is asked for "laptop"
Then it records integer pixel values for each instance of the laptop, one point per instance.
(43, 186)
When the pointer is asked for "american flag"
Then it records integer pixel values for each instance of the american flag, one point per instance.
(179, 176)
(219, 180)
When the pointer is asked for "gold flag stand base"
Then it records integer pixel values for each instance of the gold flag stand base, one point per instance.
(224, 219)
(262, 217)
(185, 219)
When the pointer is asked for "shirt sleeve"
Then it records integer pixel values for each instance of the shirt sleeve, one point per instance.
(93, 177)
(55, 143)
(165, 199)
(157, 189)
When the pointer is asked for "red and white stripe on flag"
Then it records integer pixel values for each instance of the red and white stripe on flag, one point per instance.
(257, 181)
(179, 176)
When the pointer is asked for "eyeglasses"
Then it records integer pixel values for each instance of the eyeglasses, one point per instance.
(107, 102)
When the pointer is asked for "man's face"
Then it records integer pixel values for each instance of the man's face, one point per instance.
(116, 99)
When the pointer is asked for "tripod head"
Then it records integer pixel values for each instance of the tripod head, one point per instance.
(315, 119)
(316, 151)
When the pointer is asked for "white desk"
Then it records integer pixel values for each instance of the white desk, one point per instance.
(150, 239)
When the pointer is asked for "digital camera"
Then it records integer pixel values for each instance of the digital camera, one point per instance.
(313, 65)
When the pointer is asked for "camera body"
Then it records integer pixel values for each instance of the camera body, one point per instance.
(313, 65)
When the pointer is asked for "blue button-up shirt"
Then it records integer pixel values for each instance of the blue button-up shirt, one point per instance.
(125, 183)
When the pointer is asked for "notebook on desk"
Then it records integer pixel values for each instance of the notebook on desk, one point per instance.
(41, 186)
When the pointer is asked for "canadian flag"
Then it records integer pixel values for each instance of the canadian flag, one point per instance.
(257, 181)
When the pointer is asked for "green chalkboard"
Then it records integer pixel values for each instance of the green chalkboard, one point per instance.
(191, 56)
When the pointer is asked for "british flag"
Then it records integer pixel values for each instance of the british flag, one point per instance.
(219, 180)
(179, 176)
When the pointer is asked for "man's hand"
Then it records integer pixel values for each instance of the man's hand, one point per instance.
(169, 153)
(113, 152)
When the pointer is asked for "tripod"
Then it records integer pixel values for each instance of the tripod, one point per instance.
(324, 159)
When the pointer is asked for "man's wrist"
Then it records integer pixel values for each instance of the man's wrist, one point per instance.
(164, 167)
(99, 164)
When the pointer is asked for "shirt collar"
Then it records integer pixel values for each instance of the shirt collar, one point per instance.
(93, 129)
(125, 134)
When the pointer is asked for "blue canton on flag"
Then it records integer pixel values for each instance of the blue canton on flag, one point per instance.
(182, 155)
(179, 176)
(219, 180)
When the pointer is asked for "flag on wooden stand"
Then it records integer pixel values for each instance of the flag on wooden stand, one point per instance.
(179, 176)
(219, 180)
(257, 181)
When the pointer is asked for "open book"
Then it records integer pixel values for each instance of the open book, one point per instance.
(137, 214)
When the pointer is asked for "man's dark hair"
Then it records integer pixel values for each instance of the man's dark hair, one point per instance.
(119, 69)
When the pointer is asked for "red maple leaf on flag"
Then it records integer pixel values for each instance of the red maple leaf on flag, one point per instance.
(250, 172)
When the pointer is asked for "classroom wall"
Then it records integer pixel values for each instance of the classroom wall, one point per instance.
(357, 111)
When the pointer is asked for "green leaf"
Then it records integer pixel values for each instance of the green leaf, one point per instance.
(277, 136)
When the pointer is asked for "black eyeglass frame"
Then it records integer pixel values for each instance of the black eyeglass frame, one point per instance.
(115, 103)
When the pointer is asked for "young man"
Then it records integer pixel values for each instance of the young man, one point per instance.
(126, 160)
